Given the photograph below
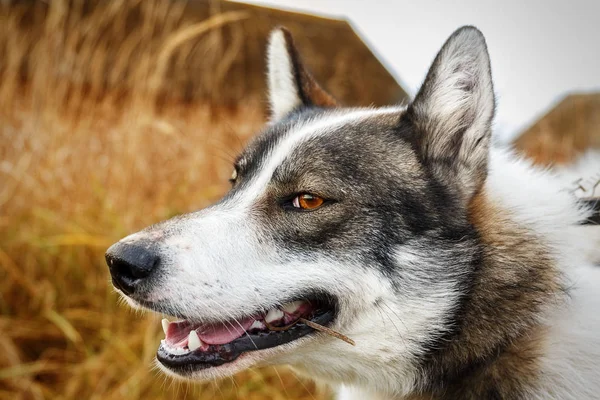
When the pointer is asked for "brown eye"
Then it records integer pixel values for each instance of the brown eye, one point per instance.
(307, 201)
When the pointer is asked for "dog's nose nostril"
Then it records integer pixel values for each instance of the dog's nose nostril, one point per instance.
(130, 265)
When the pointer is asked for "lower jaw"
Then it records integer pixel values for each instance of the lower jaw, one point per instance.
(224, 354)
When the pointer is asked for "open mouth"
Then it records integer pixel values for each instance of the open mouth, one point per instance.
(190, 346)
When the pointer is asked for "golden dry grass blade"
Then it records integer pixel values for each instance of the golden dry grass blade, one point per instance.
(27, 369)
(328, 331)
(9, 267)
(185, 35)
(64, 325)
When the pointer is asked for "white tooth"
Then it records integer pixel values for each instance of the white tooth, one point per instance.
(274, 315)
(165, 325)
(257, 325)
(194, 341)
(291, 308)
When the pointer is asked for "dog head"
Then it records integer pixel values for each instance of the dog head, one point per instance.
(353, 219)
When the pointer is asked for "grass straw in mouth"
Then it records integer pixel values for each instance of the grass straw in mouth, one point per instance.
(313, 325)
(328, 331)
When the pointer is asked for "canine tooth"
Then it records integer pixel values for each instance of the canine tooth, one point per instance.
(273, 315)
(165, 325)
(194, 341)
(291, 308)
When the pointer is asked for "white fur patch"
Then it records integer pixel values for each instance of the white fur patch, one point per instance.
(283, 91)
(572, 351)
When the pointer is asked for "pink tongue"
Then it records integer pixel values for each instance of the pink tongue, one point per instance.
(224, 333)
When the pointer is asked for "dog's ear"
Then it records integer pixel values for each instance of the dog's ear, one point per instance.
(453, 112)
(290, 83)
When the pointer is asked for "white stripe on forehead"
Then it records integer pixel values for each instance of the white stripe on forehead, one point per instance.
(298, 135)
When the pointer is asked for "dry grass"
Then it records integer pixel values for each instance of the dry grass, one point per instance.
(82, 165)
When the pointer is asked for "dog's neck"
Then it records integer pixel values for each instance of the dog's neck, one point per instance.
(494, 350)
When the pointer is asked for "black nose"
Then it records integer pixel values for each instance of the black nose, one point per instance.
(130, 264)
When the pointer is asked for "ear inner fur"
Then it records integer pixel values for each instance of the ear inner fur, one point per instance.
(453, 112)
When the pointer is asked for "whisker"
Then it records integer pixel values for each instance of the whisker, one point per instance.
(392, 321)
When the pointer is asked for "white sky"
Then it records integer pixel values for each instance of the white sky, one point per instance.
(540, 50)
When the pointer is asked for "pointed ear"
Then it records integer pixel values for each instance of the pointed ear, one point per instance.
(453, 112)
(290, 83)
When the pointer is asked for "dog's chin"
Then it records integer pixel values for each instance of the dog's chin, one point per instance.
(208, 350)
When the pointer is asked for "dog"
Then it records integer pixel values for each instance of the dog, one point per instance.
(454, 269)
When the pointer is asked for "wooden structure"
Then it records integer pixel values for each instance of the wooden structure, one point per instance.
(565, 132)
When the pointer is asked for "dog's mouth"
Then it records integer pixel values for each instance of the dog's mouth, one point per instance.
(190, 346)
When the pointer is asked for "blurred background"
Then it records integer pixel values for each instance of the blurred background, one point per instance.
(118, 114)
